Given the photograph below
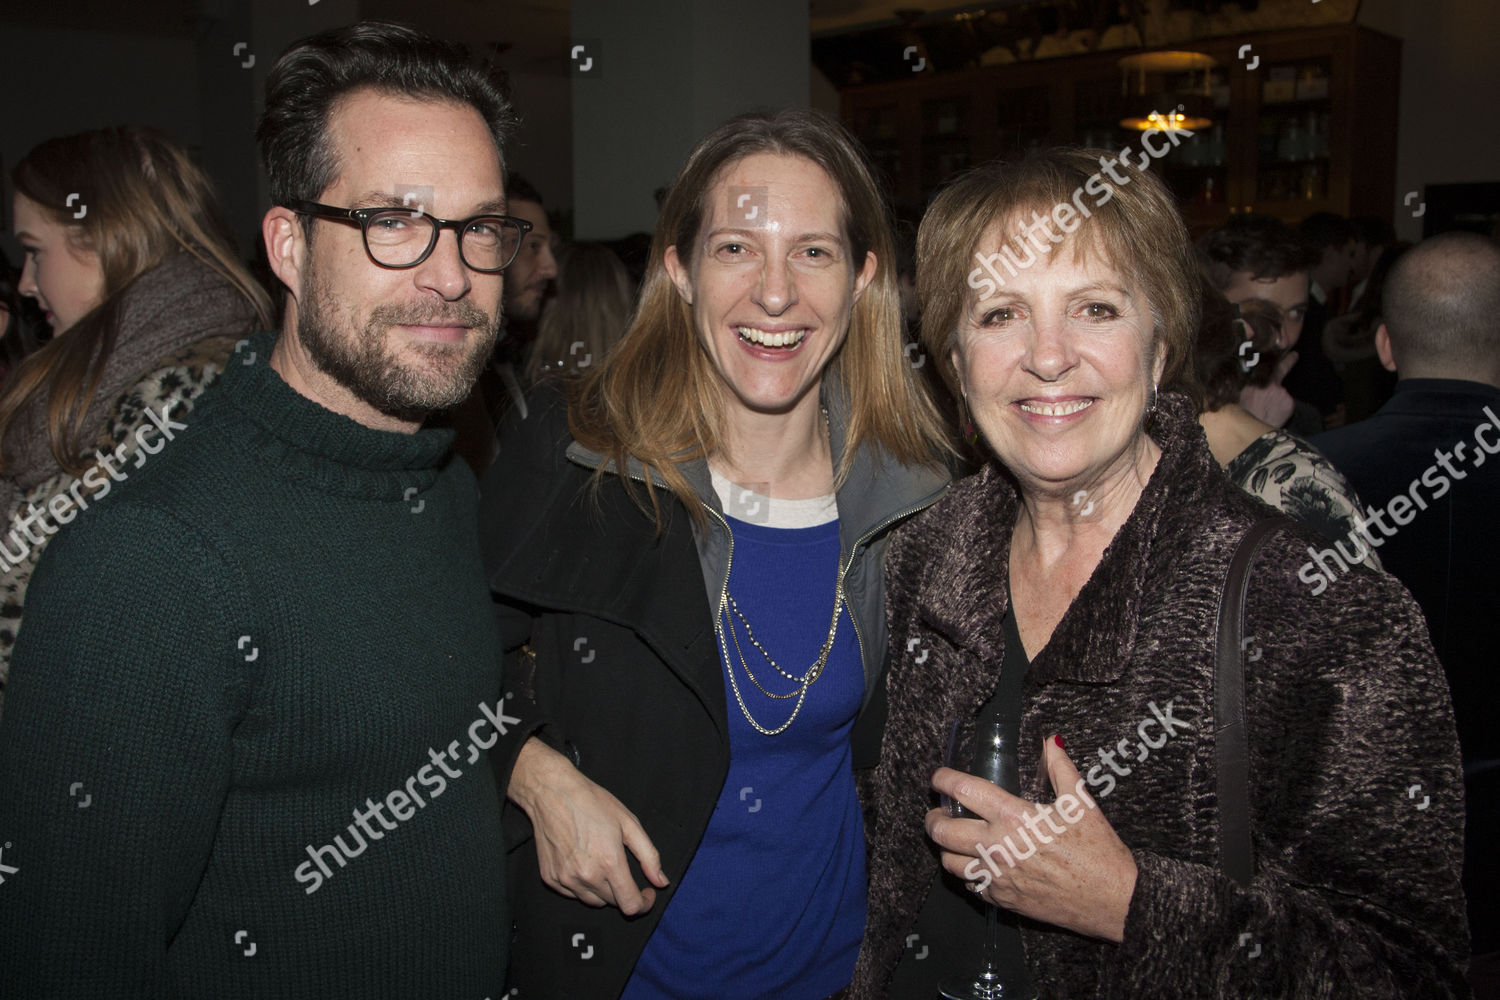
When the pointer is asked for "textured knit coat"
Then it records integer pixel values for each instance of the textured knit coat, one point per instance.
(1356, 801)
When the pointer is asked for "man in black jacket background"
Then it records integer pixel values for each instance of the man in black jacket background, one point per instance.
(1428, 463)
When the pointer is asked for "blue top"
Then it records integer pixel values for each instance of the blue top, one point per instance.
(773, 903)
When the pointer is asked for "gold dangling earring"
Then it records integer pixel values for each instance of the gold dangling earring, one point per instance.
(966, 427)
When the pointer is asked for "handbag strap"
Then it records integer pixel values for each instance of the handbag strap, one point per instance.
(1231, 740)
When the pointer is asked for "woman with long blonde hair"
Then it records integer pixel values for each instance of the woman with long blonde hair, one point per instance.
(687, 556)
(133, 267)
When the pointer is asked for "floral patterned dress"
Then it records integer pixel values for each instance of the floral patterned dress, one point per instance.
(1294, 477)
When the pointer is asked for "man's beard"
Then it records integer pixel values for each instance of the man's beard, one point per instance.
(364, 363)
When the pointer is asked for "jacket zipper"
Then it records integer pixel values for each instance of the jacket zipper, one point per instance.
(854, 550)
(728, 564)
(859, 637)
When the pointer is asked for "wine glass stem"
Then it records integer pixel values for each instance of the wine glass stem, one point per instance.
(987, 983)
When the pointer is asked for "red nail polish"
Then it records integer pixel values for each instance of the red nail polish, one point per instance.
(1059, 741)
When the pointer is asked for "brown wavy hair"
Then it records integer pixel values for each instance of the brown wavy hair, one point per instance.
(658, 399)
(1138, 230)
(147, 200)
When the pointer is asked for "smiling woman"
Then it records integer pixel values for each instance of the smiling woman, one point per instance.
(729, 476)
(1071, 588)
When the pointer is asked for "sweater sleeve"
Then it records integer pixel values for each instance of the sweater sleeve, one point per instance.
(1357, 818)
(115, 752)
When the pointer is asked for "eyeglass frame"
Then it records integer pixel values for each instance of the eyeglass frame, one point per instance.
(361, 217)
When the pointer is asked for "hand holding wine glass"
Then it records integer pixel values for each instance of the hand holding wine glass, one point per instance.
(1071, 869)
(986, 750)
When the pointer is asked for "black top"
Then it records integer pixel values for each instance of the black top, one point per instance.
(950, 926)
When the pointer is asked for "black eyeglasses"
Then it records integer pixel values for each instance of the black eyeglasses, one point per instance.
(399, 238)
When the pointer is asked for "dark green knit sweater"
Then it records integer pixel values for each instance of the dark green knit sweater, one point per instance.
(277, 633)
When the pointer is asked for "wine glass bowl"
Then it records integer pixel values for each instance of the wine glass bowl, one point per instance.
(986, 750)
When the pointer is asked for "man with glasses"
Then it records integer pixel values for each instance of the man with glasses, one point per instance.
(244, 747)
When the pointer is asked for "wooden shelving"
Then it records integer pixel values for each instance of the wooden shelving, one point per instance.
(1311, 128)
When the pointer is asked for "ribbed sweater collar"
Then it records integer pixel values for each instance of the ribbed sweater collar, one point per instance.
(306, 439)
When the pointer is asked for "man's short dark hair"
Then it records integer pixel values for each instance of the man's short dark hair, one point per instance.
(1325, 229)
(1372, 231)
(1265, 247)
(518, 188)
(1441, 303)
(314, 74)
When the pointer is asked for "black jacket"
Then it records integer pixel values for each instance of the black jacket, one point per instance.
(626, 676)
(1445, 546)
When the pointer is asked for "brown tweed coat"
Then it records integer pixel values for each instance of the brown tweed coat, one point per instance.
(1357, 886)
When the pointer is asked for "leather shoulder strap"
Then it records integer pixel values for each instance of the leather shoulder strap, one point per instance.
(1231, 740)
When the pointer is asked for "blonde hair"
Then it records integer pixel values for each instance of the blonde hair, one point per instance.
(617, 408)
(587, 317)
(1137, 228)
(146, 201)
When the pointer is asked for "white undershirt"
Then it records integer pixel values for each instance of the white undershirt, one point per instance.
(745, 504)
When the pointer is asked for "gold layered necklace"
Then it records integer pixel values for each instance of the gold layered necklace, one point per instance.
(725, 625)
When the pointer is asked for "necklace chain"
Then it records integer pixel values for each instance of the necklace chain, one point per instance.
(804, 682)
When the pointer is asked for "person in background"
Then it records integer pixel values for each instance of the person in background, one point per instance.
(1349, 340)
(499, 388)
(1429, 461)
(146, 298)
(1072, 588)
(1236, 346)
(528, 283)
(1374, 239)
(18, 328)
(587, 316)
(245, 752)
(1258, 257)
(1315, 378)
(528, 280)
(686, 553)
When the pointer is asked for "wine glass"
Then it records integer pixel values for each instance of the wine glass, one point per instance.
(987, 750)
